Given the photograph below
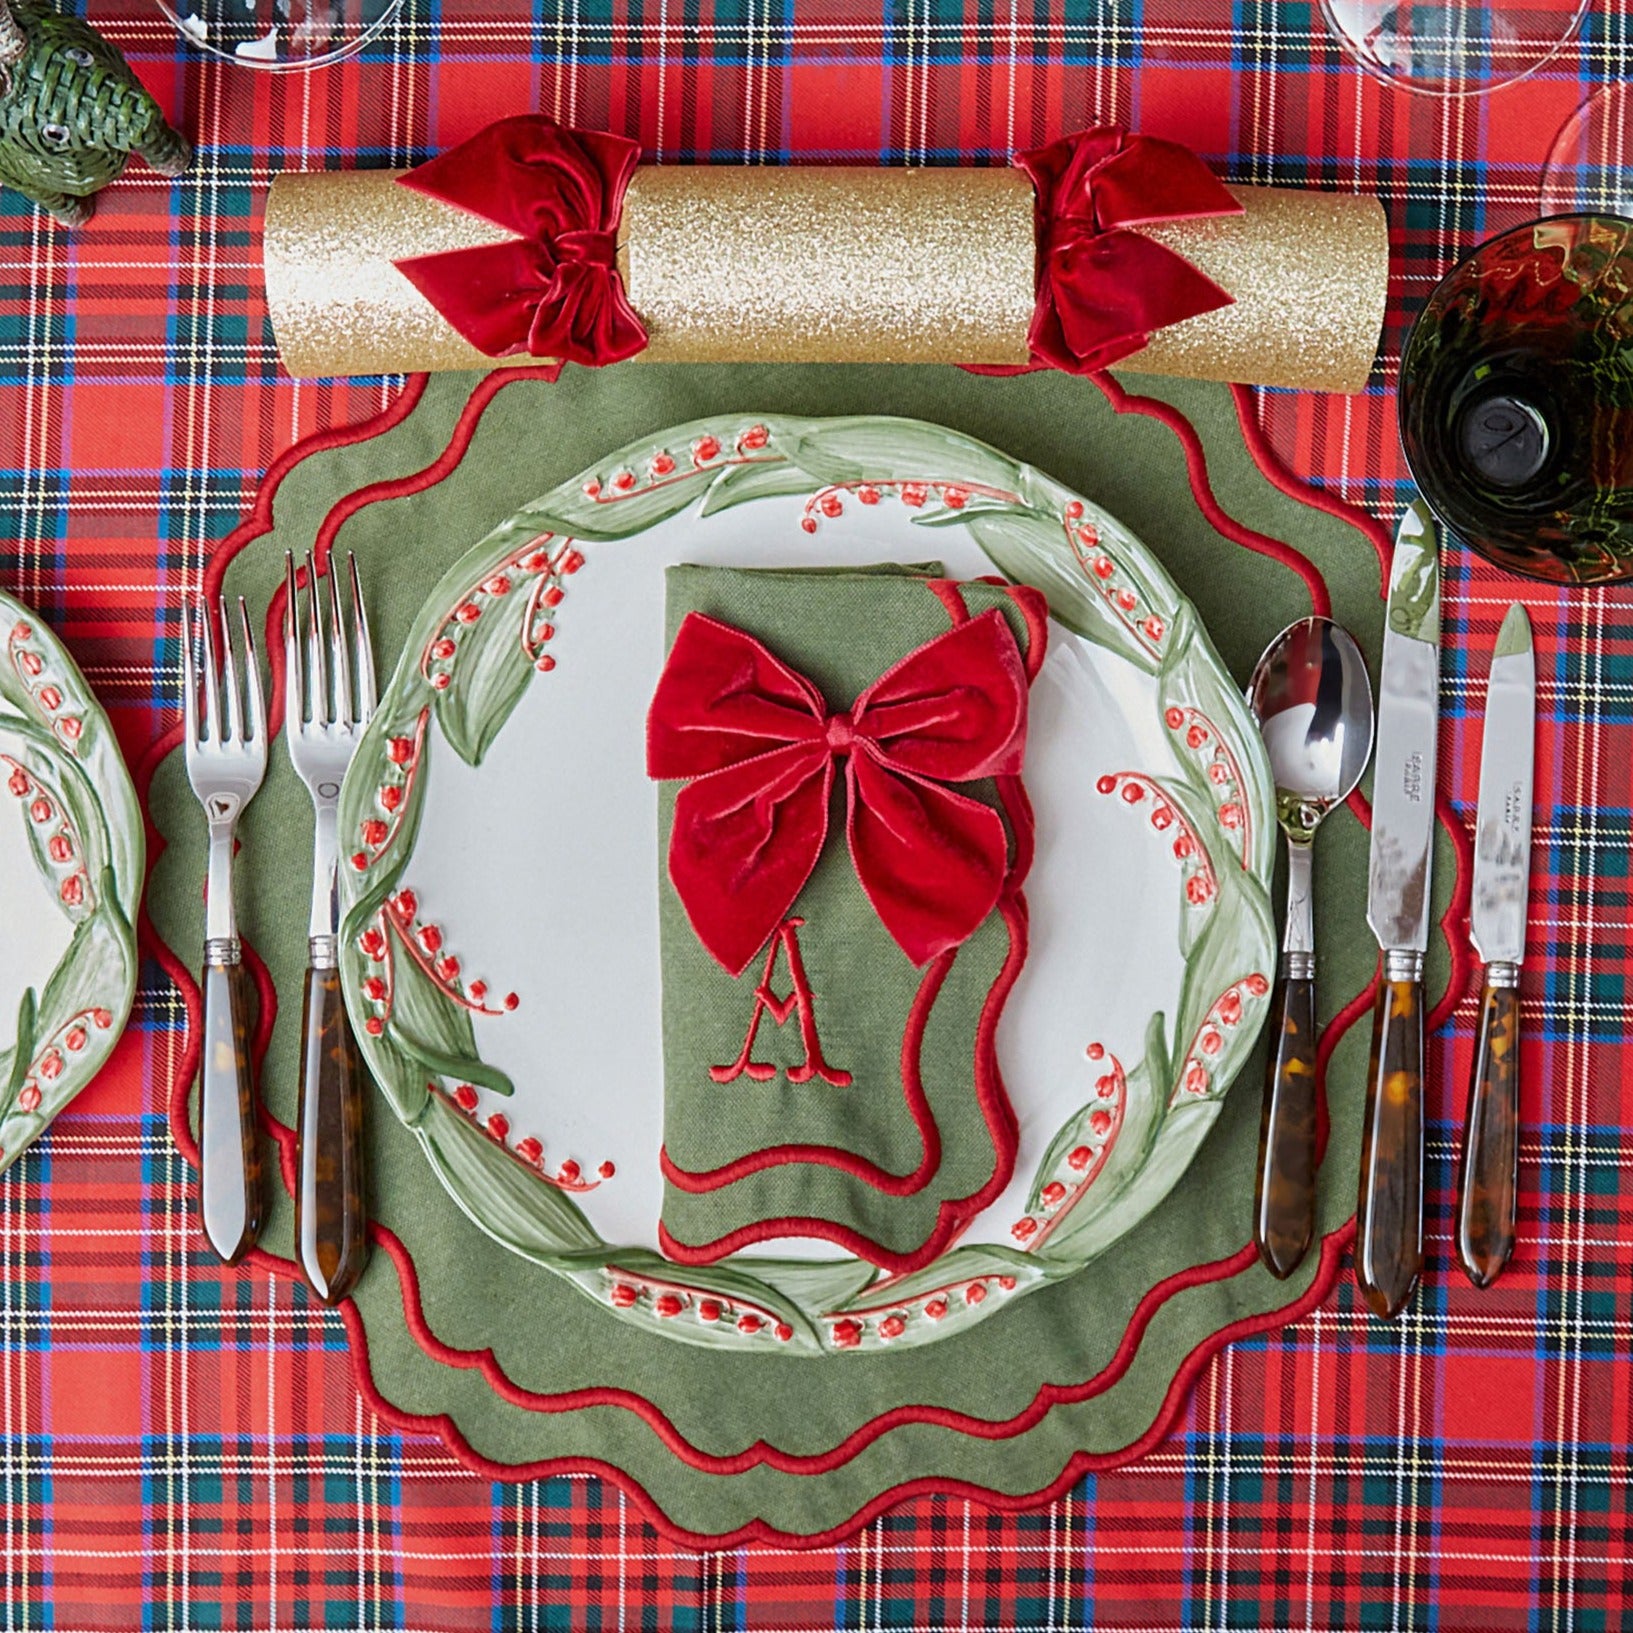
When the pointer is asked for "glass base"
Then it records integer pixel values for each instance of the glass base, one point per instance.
(280, 35)
(1587, 168)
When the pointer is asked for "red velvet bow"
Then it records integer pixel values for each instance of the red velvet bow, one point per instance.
(555, 290)
(1102, 288)
(760, 744)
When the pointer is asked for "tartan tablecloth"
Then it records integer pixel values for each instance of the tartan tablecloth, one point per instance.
(186, 1448)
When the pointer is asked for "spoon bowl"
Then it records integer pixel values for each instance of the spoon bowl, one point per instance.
(1313, 703)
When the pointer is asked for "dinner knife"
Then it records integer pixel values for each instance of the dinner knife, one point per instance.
(1487, 1175)
(1389, 1213)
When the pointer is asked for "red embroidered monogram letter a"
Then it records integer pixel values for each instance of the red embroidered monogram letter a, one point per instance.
(765, 1000)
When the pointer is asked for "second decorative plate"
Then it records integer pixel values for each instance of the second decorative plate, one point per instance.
(502, 882)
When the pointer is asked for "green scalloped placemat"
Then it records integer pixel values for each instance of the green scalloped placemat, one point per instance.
(549, 1338)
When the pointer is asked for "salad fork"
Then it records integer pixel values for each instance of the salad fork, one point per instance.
(225, 723)
(324, 723)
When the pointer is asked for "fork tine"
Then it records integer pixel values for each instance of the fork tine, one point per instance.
(294, 675)
(317, 667)
(229, 674)
(365, 646)
(255, 697)
(337, 647)
(189, 676)
(212, 675)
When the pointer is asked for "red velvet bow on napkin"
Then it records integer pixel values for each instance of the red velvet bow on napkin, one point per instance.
(554, 291)
(761, 748)
(1102, 288)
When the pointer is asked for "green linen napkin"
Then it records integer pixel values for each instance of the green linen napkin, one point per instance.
(909, 1151)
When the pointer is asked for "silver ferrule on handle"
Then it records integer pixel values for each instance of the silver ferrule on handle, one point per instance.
(323, 952)
(1403, 964)
(1502, 973)
(1298, 934)
(220, 917)
(325, 919)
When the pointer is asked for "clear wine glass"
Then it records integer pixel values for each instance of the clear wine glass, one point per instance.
(280, 35)
(1587, 167)
(1452, 47)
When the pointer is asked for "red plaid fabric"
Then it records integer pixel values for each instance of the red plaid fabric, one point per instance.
(185, 1448)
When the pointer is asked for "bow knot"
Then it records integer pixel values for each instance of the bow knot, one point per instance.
(759, 748)
(553, 290)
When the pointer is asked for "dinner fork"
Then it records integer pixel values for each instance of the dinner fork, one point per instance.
(323, 724)
(225, 721)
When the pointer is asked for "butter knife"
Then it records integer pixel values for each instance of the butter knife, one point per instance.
(1389, 1212)
(1487, 1176)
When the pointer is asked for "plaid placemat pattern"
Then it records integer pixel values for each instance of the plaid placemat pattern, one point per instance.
(183, 1448)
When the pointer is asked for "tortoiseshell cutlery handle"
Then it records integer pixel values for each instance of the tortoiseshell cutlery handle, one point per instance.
(1488, 1173)
(331, 1221)
(1389, 1224)
(231, 1196)
(1284, 1198)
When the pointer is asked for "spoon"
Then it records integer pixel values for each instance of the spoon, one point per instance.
(1313, 703)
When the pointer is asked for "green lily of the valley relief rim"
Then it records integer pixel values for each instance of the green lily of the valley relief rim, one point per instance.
(61, 765)
(484, 637)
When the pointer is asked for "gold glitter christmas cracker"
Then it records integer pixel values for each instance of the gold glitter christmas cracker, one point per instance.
(831, 264)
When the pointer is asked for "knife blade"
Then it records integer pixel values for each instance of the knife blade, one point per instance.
(1389, 1211)
(1487, 1176)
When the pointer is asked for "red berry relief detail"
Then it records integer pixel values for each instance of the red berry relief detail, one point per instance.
(975, 1292)
(1096, 1051)
(1007, 1283)
(1054, 1193)
(400, 750)
(1175, 718)
(568, 1172)
(19, 784)
(545, 664)
(70, 728)
(1074, 509)
(60, 850)
(447, 968)
(954, 499)
(783, 1331)
(374, 1026)
(936, 1309)
(892, 1327)
(1105, 784)
(1100, 1121)
(662, 464)
(606, 1170)
(511, 1000)
(29, 1099)
(1229, 1008)
(808, 523)
(623, 1295)
(554, 596)
(478, 990)
(73, 890)
(430, 937)
(1103, 567)
(755, 437)
(50, 697)
(1257, 986)
(21, 632)
(847, 1334)
(624, 481)
(1230, 816)
(913, 494)
(102, 1018)
(529, 1150)
(1133, 792)
(374, 832)
(76, 1040)
(40, 810)
(465, 1097)
(1023, 1229)
(1155, 628)
(591, 488)
(498, 1125)
(572, 561)
(706, 448)
(443, 648)
(372, 942)
(1080, 1158)
(867, 495)
(1212, 1043)
(749, 1324)
(831, 504)
(441, 683)
(1106, 1086)
(497, 586)
(468, 613)
(668, 1305)
(1196, 1080)
(374, 989)
(708, 1309)
(406, 903)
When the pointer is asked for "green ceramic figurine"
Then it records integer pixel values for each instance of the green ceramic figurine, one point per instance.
(71, 111)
